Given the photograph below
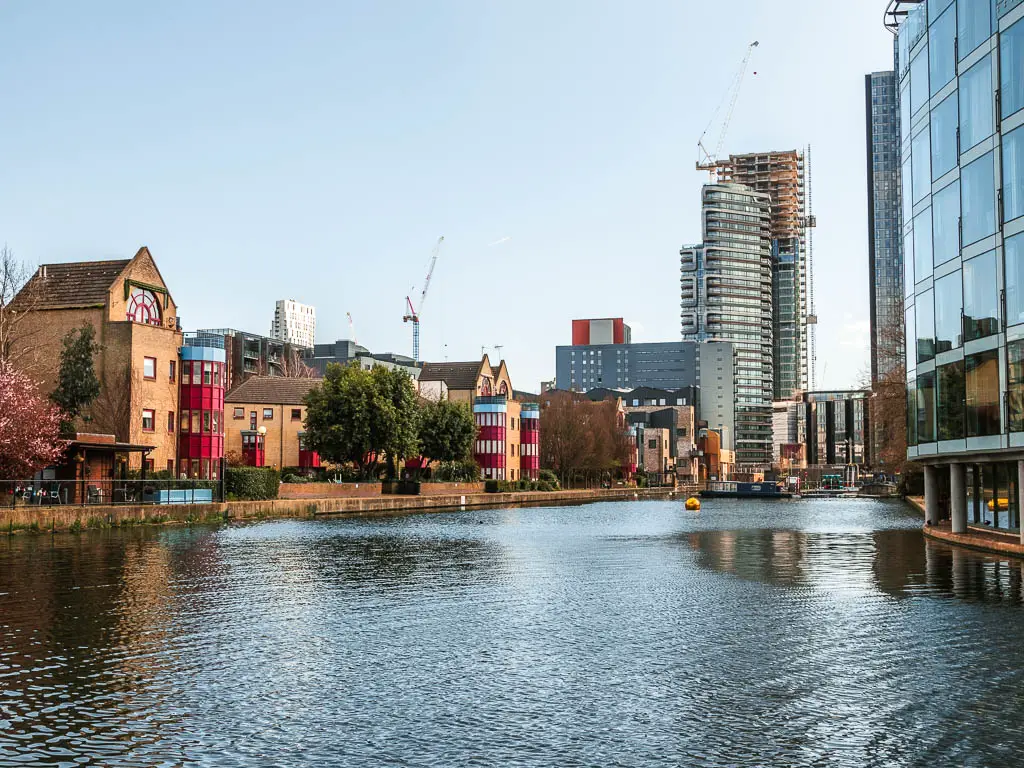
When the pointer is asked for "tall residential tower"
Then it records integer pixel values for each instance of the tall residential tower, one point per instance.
(294, 323)
(885, 244)
(726, 295)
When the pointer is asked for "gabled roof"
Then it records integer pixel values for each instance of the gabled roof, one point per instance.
(272, 390)
(72, 284)
(456, 375)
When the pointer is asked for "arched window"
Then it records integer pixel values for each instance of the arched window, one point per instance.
(485, 387)
(503, 389)
(143, 307)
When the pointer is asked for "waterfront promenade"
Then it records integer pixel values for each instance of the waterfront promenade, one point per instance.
(62, 518)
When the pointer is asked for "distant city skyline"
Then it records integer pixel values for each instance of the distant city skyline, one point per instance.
(319, 151)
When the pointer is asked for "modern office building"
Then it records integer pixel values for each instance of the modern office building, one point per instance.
(708, 368)
(294, 323)
(835, 427)
(345, 352)
(608, 330)
(782, 176)
(249, 354)
(961, 86)
(726, 296)
(885, 243)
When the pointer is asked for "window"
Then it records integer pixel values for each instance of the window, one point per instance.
(945, 121)
(207, 374)
(978, 200)
(148, 420)
(268, 414)
(170, 421)
(910, 339)
(981, 297)
(905, 112)
(923, 244)
(170, 467)
(149, 464)
(926, 407)
(1011, 51)
(143, 307)
(982, 393)
(925, 327)
(207, 421)
(912, 412)
(216, 422)
(946, 223)
(196, 423)
(238, 413)
(149, 368)
(183, 424)
(216, 374)
(908, 264)
(950, 400)
(296, 414)
(1015, 385)
(1013, 174)
(172, 369)
(918, 82)
(942, 50)
(974, 22)
(652, 443)
(252, 420)
(1013, 248)
(949, 304)
(908, 198)
(921, 153)
(197, 372)
(976, 113)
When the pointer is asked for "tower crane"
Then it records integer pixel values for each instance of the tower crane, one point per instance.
(412, 315)
(708, 161)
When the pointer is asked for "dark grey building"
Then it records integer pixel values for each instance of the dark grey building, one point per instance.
(344, 352)
(885, 241)
(837, 425)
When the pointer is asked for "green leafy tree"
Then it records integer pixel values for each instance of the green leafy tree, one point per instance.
(446, 431)
(339, 418)
(77, 384)
(362, 417)
(395, 419)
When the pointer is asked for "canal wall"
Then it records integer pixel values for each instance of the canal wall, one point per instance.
(72, 518)
(978, 538)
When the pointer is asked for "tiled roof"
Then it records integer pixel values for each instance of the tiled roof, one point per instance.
(455, 375)
(273, 390)
(73, 284)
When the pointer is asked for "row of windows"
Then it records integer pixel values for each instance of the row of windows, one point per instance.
(961, 399)
(268, 414)
(201, 423)
(192, 372)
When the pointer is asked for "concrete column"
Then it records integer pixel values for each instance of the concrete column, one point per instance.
(1020, 497)
(931, 493)
(958, 496)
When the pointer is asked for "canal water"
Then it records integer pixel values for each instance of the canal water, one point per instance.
(804, 633)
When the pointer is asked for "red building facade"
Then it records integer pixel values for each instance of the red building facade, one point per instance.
(529, 440)
(203, 377)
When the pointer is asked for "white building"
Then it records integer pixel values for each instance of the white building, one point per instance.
(294, 323)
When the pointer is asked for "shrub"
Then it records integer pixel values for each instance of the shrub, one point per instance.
(456, 472)
(547, 476)
(491, 486)
(252, 483)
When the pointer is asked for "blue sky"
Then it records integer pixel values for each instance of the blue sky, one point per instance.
(316, 150)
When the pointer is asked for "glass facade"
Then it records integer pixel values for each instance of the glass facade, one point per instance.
(885, 240)
(962, 227)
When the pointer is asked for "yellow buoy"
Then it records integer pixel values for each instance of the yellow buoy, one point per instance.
(693, 503)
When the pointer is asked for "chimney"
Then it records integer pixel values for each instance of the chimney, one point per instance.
(42, 271)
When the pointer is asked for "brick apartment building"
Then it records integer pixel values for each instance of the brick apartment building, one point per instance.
(136, 322)
(264, 422)
(507, 445)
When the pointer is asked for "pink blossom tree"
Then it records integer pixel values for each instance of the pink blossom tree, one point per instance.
(29, 426)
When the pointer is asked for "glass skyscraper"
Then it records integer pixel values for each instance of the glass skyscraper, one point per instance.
(726, 295)
(885, 242)
(961, 96)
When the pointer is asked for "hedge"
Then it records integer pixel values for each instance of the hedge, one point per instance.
(251, 483)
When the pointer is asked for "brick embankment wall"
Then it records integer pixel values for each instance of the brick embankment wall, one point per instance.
(979, 539)
(70, 518)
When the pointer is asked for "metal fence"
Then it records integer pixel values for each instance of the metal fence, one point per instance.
(109, 492)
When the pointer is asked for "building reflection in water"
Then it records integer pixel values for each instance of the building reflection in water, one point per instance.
(900, 563)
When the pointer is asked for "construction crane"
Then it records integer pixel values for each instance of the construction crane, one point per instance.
(412, 315)
(708, 161)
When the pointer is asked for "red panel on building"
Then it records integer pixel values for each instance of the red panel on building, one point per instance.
(580, 332)
(618, 331)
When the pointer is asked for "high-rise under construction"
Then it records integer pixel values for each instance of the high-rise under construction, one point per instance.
(781, 176)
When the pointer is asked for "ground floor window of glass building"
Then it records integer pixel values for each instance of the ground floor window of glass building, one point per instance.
(993, 495)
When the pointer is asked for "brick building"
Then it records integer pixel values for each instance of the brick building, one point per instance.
(264, 418)
(136, 322)
(502, 437)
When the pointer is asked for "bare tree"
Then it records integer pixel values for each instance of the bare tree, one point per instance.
(14, 275)
(292, 366)
(889, 396)
(111, 412)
